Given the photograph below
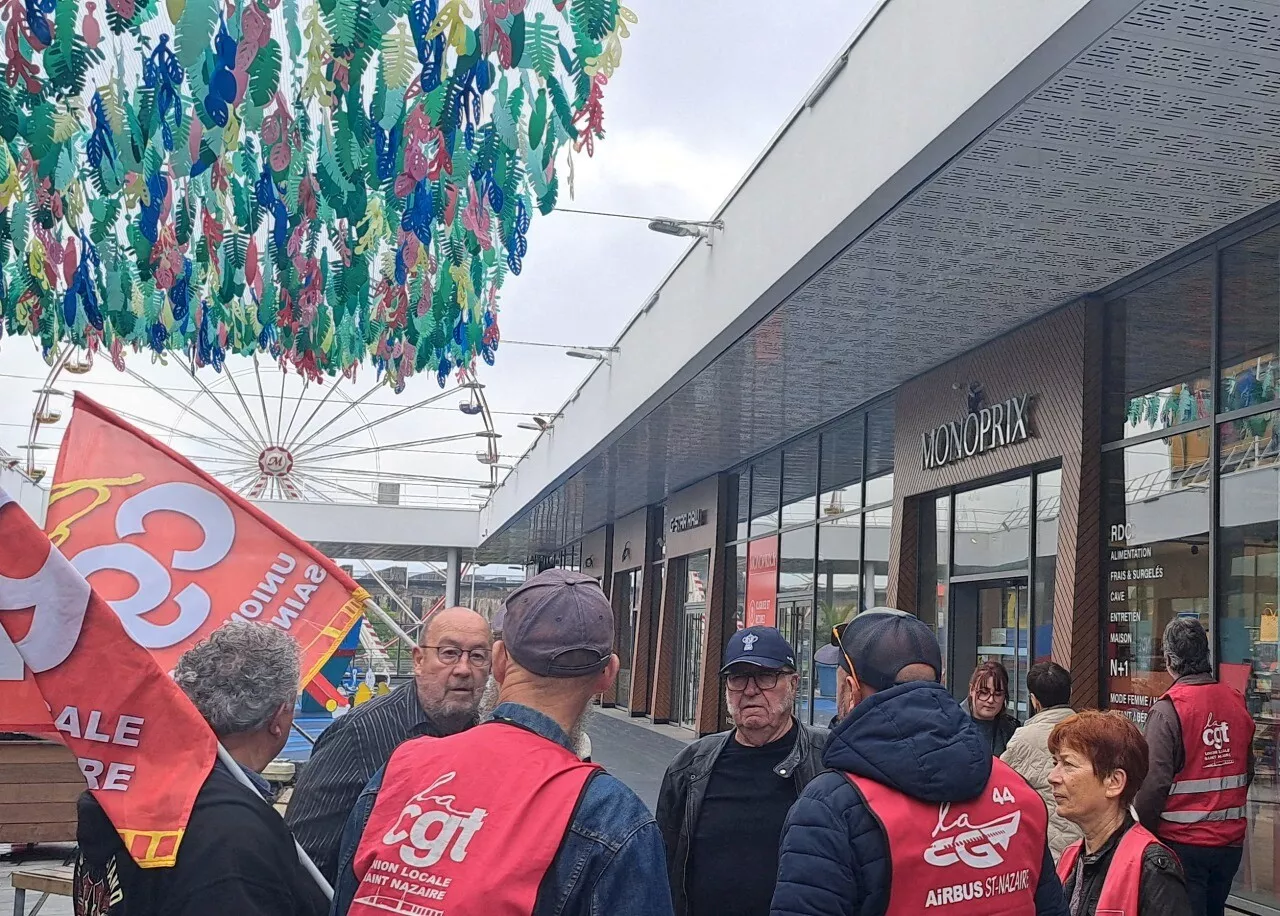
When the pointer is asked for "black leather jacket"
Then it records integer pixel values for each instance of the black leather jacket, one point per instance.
(1162, 889)
(685, 784)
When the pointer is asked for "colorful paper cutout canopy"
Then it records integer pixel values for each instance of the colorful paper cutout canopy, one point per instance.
(323, 180)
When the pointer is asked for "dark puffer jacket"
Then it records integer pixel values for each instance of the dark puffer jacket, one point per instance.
(913, 737)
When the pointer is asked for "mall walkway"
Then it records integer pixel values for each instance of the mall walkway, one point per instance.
(635, 751)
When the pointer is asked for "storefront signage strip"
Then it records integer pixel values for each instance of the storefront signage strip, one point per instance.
(982, 431)
(687, 521)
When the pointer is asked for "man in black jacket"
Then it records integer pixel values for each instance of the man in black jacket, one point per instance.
(724, 798)
(236, 855)
(450, 670)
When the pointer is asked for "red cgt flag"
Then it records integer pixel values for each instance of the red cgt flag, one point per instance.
(143, 748)
(176, 554)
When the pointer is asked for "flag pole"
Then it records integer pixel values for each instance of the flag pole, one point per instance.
(241, 777)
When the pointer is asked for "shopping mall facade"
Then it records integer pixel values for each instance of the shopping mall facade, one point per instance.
(991, 334)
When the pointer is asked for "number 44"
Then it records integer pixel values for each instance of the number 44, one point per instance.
(1002, 796)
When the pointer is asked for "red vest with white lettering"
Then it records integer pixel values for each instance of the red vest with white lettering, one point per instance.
(979, 857)
(467, 825)
(1120, 887)
(1207, 801)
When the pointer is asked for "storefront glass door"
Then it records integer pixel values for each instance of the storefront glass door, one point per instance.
(984, 566)
(691, 622)
(991, 621)
(795, 622)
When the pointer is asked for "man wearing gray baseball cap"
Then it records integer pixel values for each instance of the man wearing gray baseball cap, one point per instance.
(506, 818)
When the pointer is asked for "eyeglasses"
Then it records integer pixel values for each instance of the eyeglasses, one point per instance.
(765, 680)
(451, 655)
(985, 693)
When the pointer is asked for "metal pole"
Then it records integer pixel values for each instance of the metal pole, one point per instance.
(451, 578)
(373, 607)
(305, 734)
(239, 775)
(474, 564)
(391, 594)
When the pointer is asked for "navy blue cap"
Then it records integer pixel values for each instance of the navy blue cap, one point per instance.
(763, 647)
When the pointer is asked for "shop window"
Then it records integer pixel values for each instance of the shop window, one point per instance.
(880, 442)
(795, 607)
(800, 482)
(876, 535)
(1250, 327)
(931, 599)
(839, 587)
(762, 582)
(993, 530)
(1157, 346)
(1248, 599)
(840, 477)
(626, 607)
(738, 600)
(765, 475)
(1045, 569)
(740, 495)
(1156, 520)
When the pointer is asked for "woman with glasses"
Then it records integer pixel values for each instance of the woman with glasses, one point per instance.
(1119, 868)
(988, 704)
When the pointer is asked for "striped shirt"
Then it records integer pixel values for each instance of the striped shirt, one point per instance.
(344, 759)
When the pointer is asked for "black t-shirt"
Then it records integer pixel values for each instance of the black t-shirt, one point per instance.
(733, 853)
(237, 857)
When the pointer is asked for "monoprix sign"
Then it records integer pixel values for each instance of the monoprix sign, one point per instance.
(981, 431)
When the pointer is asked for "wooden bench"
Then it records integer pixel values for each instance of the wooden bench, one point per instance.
(39, 785)
(45, 880)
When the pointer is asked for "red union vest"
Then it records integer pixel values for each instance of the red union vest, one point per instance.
(976, 858)
(1207, 801)
(467, 825)
(1121, 885)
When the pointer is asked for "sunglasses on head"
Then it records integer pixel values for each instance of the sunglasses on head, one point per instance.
(837, 640)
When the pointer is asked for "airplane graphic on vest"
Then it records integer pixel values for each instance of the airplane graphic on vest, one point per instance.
(977, 846)
(425, 811)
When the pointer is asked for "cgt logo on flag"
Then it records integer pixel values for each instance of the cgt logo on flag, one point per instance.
(176, 555)
(142, 747)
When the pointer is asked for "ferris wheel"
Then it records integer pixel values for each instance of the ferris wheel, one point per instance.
(270, 435)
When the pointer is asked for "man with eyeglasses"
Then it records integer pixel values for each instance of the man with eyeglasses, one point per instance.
(506, 818)
(450, 669)
(915, 816)
(725, 797)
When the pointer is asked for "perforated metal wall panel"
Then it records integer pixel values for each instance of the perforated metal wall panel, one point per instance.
(1166, 129)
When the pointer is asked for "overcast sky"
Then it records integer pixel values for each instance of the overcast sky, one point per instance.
(702, 88)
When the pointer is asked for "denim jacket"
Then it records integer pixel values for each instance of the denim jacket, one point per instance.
(611, 862)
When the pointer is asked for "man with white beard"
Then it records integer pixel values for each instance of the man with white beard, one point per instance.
(725, 797)
(506, 817)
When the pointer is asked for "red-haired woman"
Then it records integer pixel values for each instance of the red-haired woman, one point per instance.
(988, 705)
(1119, 869)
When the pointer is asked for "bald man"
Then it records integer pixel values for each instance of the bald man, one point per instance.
(450, 670)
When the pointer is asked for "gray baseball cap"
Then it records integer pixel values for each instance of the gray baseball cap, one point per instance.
(558, 624)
